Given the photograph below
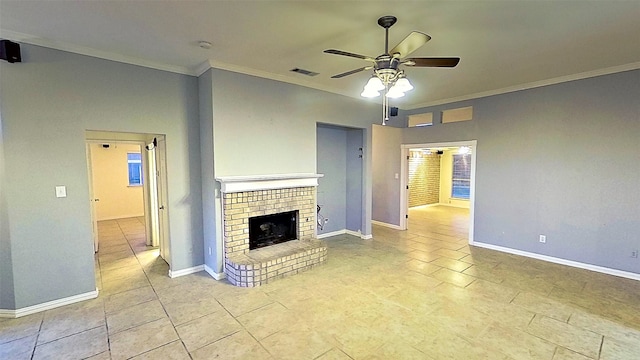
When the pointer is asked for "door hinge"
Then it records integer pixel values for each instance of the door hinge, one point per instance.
(407, 157)
(406, 216)
(407, 187)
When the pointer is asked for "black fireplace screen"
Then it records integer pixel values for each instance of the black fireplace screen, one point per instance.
(272, 229)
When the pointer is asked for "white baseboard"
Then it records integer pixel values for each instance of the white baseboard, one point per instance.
(333, 233)
(353, 233)
(48, 305)
(187, 271)
(345, 231)
(215, 275)
(380, 223)
(576, 264)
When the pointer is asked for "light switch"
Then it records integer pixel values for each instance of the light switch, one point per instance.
(61, 191)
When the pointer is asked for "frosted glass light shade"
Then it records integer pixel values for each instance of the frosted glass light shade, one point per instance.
(374, 84)
(369, 93)
(404, 85)
(395, 92)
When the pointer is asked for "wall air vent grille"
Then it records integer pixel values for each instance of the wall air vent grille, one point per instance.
(304, 72)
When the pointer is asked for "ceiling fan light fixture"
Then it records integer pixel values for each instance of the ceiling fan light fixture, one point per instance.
(369, 93)
(374, 84)
(403, 84)
(388, 78)
(394, 92)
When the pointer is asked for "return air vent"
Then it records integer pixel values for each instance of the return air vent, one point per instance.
(304, 72)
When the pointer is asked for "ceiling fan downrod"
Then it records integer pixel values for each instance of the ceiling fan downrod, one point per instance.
(386, 22)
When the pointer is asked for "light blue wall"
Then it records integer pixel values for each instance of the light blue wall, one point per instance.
(48, 101)
(340, 190)
(209, 185)
(559, 160)
(354, 175)
(263, 127)
(387, 143)
(7, 299)
(332, 188)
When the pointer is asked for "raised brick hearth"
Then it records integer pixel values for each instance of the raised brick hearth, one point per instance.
(245, 197)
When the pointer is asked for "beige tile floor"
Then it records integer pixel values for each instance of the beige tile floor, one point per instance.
(419, 294)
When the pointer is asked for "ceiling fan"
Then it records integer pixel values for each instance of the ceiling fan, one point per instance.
(392, 59)
(387, 74)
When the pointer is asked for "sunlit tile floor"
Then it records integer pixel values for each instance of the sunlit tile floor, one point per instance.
(418, 294)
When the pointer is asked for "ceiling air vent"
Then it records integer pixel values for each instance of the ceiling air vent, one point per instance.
(304, 72)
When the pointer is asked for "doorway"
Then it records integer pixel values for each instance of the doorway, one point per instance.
(438, 175)
(137, 170)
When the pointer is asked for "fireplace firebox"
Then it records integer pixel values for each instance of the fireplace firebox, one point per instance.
(272, 229)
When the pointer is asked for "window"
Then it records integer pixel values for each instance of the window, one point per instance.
(425, 119)
(455, 115)
(134, 162)
(461, 180)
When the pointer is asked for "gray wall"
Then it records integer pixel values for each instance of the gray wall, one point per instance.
(47, 103)
(386, 163)
(355, 216)
(7, 300)
(263, 127)
(332, 188)
(559, 160)
(340, 190)
(209, 185)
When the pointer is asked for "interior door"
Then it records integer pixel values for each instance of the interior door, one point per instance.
(92, 200)
(163, 211)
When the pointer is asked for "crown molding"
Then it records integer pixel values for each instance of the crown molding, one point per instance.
(82, 50)
(273, 76)
(532, 85)
(206, 65)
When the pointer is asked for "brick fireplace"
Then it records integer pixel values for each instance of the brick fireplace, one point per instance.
(255, 197)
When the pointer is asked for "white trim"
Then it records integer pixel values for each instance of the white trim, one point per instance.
(380, 223)
(343, 232)
(204, 66)
(187, 271)
(353, 233)
(576, 264)
(473, 144)
(333, 233)
(48, 305)
(215, 275)
(82, 50)
(404, 192)
(532, 85)
(231, 184)
(295, 79)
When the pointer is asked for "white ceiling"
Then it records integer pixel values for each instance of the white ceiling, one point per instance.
(503, 45)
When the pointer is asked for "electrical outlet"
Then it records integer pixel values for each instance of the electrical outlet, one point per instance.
(634, 253)
(209, 250)
(543, 238)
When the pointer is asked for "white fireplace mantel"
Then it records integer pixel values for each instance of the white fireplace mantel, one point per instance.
(231, 184)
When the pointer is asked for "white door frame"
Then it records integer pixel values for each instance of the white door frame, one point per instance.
(162, 196)
(404, 199)
(92, 199)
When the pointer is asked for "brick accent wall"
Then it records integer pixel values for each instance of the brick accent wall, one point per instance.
(239, 207)
(424, 178)
(255, 267)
